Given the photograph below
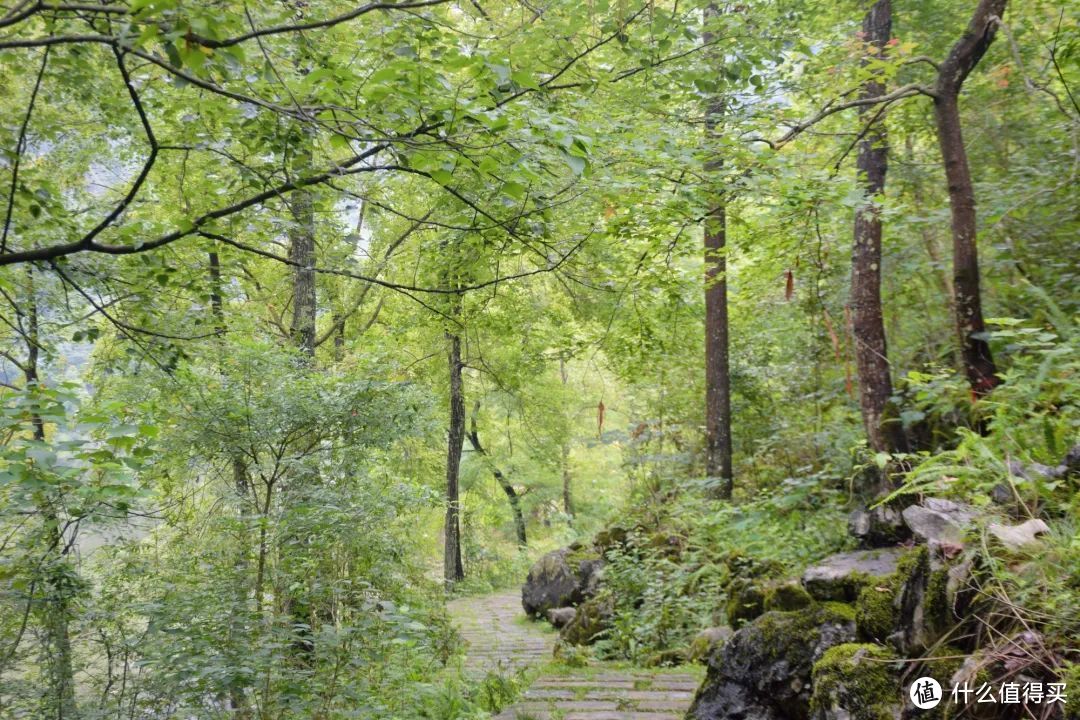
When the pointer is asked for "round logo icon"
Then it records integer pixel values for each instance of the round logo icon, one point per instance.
(925, 693)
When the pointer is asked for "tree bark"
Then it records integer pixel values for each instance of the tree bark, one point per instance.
(504, 482)
(453, 571)
(965, 55)
(868, 325)
(718, 448)
(302, 255)
(216, 308)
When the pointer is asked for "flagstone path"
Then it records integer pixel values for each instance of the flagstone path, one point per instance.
(500, 639)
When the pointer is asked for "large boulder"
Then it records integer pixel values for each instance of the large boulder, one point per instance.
(562, 578)
(763, 672)
(842, 576)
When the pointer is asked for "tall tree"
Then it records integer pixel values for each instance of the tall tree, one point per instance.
(868, 326)
(717, 367)
(302, 259)
(504, 482)
(453, 570)
(961, 60)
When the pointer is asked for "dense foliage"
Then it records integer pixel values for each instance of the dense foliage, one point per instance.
(257, 258)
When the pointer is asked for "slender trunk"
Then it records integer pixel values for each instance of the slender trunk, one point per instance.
(58, 698)
(717, 369)
(504, 482)
(564, 449)
(302, 257)
(216, 307)
(964, 56)
(453, 571)
(868, 326)
(237, 687)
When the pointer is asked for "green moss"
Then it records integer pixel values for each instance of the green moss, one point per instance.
(942, 663)
(876, 614)
(1070, 675)
(593, 618)
(840, 609)
(877, 605)
(578, 554)
(789, 596)
(799, 628)
(857, 678)
(912, 562)
(936, 608)
(746, 601)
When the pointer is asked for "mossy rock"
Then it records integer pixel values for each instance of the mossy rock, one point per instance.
(787, 597)
(908, 608)
(746, 601)
(707, 642)
(843, 576)
(876, 611)
(925, 613)
(942, 663)
(593, 617)
(764, 670)
(561, 578)
(856, 681)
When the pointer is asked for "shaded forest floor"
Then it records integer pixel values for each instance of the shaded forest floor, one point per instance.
(500, 639)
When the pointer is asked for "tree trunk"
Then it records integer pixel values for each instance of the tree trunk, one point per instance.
(964, 56)
(504, 482)
(302, 330)
(453, 571)
(717, 368)
(868, 326)
(302, 257)
(216, 307)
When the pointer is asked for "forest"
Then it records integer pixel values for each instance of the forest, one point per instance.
(539, 359)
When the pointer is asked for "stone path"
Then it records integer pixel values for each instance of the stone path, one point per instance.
(498, 638)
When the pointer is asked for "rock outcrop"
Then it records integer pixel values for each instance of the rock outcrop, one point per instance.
(590, 621)
(764, 670)
(856, 682)
(562, 578)
(939, 522)
(561, 617)
(843, 576)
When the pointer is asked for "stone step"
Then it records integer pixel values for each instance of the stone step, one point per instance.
(497, 641)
